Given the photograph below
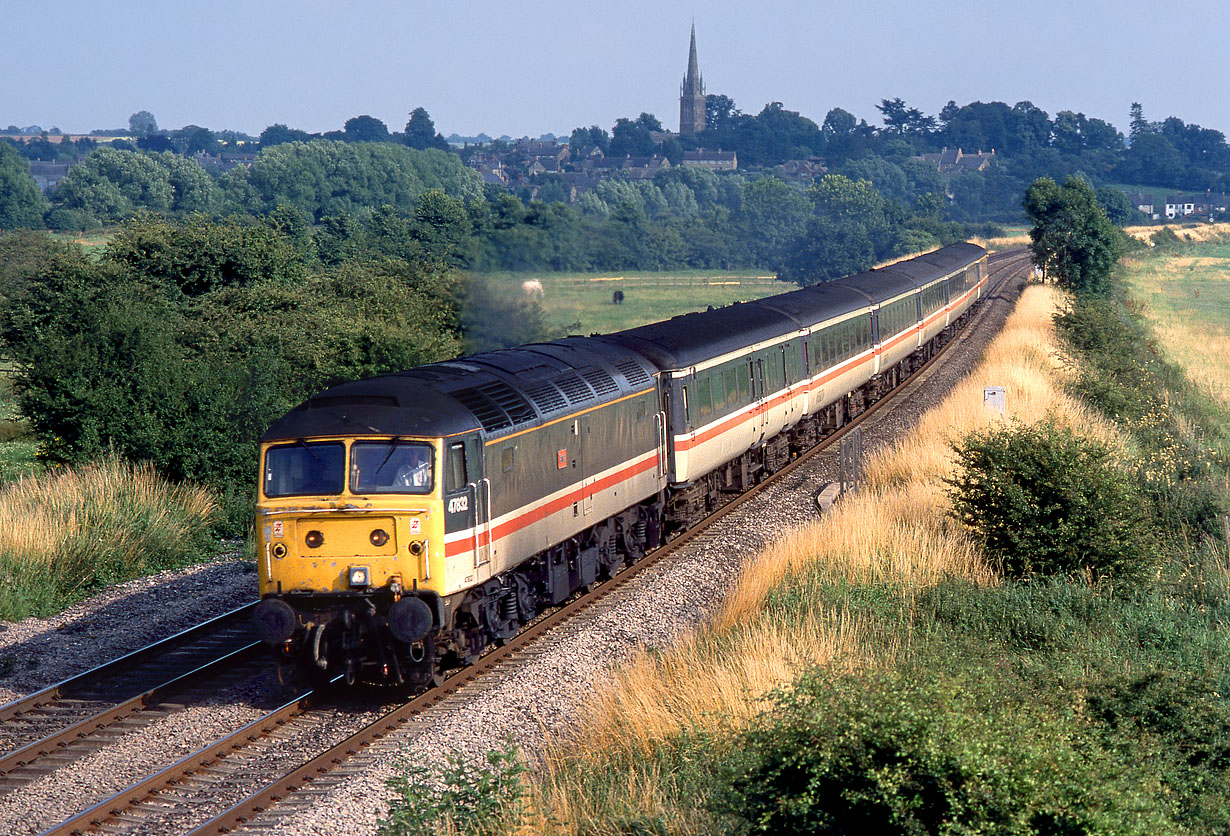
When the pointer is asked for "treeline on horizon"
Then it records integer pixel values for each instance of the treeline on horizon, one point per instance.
(876, 202)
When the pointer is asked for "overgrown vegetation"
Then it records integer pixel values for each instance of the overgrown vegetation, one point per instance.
(457, 797)
(66, 534)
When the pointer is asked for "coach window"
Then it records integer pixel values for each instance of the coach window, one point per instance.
(455, 475)
(732, 387)
(704, 397)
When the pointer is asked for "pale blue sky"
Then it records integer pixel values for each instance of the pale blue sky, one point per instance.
(529, 68)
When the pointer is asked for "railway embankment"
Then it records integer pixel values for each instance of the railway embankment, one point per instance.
(882, 669)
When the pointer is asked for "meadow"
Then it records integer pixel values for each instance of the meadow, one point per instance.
(1186, 295)
(582, 303)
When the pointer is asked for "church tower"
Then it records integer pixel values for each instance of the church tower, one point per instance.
(692, 95)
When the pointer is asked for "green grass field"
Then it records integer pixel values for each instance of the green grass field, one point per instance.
(581, 303)
(1186, 295)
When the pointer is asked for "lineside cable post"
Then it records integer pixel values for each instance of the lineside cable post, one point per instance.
(851, 473)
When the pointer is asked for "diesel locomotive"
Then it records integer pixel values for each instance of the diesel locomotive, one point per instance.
(408, 521)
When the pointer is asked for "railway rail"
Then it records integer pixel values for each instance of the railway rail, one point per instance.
(228, 767)
(47, 729)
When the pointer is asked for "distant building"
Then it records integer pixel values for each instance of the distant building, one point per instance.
(715, 160)
(1182, 205)
(950, 161)
(692, 95)
(802, 170)
(47, 175)
(1142, 202)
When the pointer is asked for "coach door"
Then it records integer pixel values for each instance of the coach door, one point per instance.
(758, 395)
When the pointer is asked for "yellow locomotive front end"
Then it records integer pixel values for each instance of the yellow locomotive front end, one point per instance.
(347, 531)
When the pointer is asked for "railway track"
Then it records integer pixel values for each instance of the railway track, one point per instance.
(242, 770)
(57, 725)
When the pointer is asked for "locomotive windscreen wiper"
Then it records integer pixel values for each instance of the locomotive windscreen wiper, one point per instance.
(311, 452)
(388, 455)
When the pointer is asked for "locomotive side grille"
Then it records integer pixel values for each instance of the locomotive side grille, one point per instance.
(575, 389)
(632, 372)
(547, 398)
(602, 382)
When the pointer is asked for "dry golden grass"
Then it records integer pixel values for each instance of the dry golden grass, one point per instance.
(67, 533)
(894, 532)
(1198, 233)
(40, 514)
(1002, 242)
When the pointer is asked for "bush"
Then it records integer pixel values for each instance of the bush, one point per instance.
(1045, 501)
(459, 797)
(1119, 370)
(122, 355)
(912, 752)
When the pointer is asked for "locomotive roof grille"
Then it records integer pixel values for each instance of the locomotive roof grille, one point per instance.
(632, 372)
(547, 398)
(496, 405)
(602, 382)
(575, 389)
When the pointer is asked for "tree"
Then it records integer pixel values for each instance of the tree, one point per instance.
(634, 136)
(278, 133)
(1138, 123)
(421, 131)
(200, 139)
(583, 139)
(900, 120)
(1072, 239)
(365, 129)
(142, 123)
(1116, 205)
(21, 203)
(720, 111)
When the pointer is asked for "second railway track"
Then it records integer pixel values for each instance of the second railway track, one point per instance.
(240, 780)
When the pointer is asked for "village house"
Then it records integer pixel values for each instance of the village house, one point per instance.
(718, 160)
(1207, 204)
(1142, 203)
(956, 161)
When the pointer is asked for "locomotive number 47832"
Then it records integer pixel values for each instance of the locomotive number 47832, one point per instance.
(458, 503)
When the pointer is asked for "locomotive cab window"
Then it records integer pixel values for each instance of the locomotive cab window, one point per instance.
(455, 477)
(395, 466)
(305, 469)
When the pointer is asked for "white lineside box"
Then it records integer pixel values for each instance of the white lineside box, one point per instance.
(995, 398)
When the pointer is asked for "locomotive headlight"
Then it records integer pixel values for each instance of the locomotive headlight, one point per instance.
(379, 537)
(279, 550)
(314, 539)
(359, 576)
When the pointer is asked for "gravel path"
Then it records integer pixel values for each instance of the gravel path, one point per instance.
(539, 694)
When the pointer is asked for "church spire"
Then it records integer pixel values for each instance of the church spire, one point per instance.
(692, 94)
(693, 77)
